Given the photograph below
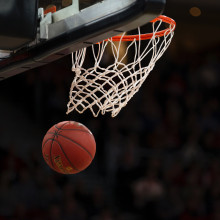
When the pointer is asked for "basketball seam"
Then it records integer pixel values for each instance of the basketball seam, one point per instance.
(70, 130)
(51, 133)
(77, 144)
(51, 154)
(50, 150)
(45, 143)
(66, 156)
(61, 126)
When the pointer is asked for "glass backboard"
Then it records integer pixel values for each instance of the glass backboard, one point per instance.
(75, 25)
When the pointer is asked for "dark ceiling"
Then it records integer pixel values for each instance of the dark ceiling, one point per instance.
(196, 32)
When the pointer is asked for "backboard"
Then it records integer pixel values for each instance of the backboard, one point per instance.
(71, 28)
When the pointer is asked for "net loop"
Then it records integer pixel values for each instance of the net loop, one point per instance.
(109, 87)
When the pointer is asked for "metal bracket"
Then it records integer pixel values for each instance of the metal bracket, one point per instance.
(44, 26)
(50, 18)
(66, 12)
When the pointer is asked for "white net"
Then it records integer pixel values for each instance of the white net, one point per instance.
(102, 88)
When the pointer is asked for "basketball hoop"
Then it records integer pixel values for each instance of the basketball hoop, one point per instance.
(109, 88)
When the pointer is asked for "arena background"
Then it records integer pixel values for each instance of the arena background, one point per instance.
(158, 160)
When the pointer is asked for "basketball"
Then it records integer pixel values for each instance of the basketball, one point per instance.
(68, 147)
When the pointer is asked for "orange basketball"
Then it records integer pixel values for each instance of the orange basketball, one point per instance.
(68, 147)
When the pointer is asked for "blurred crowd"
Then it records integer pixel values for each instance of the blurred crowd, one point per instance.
(158, 159)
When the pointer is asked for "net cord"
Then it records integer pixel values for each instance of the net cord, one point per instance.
(109, 89)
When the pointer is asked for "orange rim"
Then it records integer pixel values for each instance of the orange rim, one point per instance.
(148, 36)
(52, 9)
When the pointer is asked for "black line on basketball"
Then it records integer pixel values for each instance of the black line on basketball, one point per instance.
(51, 155)
(74, 129)
(66, 156)
(52, 139)
(51, 133)
(56, 127)
(61, 126)
(49, 139)
(77, 144)
(46, 142)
